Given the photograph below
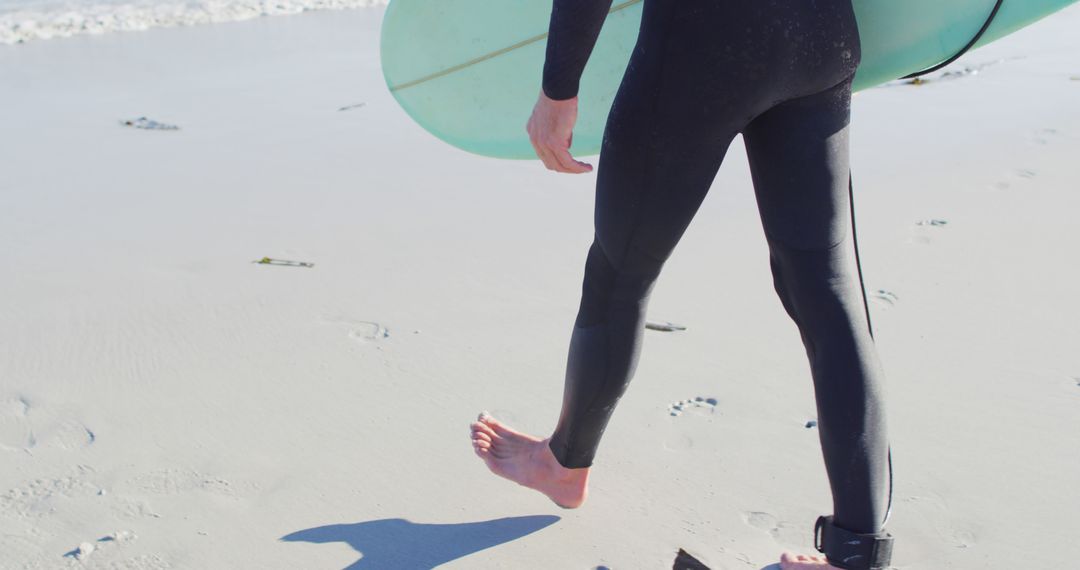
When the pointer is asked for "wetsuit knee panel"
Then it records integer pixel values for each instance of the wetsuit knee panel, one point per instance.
(817, 289)
(615, 293)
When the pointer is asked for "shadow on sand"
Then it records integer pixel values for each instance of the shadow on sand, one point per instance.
(405, 545)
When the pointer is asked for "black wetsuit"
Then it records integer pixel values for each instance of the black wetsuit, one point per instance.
(703, 71)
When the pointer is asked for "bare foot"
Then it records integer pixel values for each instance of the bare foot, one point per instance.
(791, 561)
(528, 461)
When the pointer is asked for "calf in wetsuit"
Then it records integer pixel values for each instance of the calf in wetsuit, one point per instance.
(703, 71)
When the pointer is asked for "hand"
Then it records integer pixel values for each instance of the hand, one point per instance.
(551, 131)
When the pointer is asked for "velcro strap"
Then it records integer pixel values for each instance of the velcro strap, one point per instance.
(852, 551)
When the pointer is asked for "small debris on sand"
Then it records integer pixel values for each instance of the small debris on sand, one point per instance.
(118, 536)
(82, 552)
(283, 262)
(663, 326)
(966, 71)
(887, 297)
(148, 124)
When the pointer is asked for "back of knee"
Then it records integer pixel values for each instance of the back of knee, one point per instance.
(608, 291)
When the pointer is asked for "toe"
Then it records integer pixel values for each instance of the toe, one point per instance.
(489, 421)
(792, 561)
(481, 427)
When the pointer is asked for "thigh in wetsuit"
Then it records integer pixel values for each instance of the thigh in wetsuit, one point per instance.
(778, 72)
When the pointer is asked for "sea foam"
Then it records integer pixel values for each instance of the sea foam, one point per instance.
(26, 20)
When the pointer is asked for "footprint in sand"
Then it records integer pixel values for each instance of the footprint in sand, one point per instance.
(15, 431)
(362, 331)
(678, 439)
(25, 426)
(126, 508)
(963, 538)
(1044, 137)
(140, 562)
(176, 481)
(697, 405)
(366, 331)
(1018, 176)
(884, 298)
(40, 497)
(926, 230)
(678, 442)
(781, 531)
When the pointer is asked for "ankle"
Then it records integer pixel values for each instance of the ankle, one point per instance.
(568, 474)
(556, 470)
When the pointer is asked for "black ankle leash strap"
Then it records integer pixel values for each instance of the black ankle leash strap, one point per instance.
(852, 551)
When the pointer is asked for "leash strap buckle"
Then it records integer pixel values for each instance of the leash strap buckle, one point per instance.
(850, 550)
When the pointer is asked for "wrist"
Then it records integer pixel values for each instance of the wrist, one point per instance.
(557, 101)
(559, 92)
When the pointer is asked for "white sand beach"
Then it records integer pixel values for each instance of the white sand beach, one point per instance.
(167, 403)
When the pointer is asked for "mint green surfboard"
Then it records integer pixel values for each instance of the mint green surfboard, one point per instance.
(469, 71)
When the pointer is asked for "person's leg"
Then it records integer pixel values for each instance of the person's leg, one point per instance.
(798, 155)
(665, 140)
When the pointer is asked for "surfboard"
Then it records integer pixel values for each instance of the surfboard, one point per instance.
(469, 71)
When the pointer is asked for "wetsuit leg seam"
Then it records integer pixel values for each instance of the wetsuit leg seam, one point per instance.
(775, 241)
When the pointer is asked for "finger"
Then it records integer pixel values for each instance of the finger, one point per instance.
(567, 162)
(547, 158)
(537, 150)
(558, 152)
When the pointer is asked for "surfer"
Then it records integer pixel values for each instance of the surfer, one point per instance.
(702, 72)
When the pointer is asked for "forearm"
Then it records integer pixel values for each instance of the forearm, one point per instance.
(575, 25)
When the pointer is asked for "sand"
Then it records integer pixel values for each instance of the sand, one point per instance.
(167, 403)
